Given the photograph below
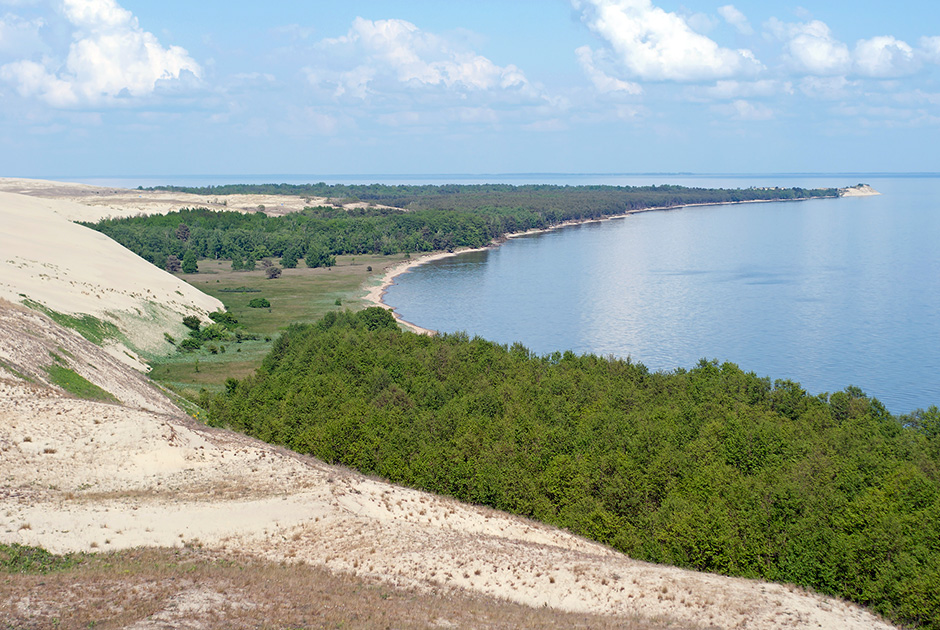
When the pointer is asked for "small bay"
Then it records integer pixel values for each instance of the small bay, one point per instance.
(829, 293)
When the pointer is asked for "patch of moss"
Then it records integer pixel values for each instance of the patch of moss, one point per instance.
(76, 384)
(91, 328)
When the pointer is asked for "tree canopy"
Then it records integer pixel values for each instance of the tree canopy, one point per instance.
(710, 468)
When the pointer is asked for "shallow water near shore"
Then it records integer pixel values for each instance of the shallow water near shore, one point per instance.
(828, 293)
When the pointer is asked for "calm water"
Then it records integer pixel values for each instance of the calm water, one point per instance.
(829, 293)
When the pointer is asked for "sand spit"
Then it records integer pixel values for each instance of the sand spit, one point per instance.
(860, 190)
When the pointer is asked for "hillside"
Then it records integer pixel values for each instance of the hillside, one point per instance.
(89, 282)
(129, 470)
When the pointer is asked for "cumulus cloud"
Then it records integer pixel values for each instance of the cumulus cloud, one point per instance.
(884, 57)
(810, 48)
(111, 59)
(735, 18)
(388, 55)
(648, 43)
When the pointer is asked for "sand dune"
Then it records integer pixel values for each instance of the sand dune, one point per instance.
(74, 270)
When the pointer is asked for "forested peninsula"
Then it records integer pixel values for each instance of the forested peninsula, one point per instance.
(397, 219)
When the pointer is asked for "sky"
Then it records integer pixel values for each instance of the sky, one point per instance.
(126, 88)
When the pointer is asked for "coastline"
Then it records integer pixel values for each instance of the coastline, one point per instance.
(375, 295)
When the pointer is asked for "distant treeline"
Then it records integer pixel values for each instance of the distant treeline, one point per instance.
(419, 219)
(711, 468)
(596, 200)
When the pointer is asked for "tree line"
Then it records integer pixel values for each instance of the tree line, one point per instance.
(709, 468)
(410, 219)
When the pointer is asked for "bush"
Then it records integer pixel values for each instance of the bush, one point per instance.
(273, 272)
(225, 318)
(192, 322)
(189, 344)
(259, 303)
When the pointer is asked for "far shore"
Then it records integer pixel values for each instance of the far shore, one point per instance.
(375, 296)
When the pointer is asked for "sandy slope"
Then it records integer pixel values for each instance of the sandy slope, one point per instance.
(82, 475)
(74, 270)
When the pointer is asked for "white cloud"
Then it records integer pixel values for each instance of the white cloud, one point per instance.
(111, 59)
(810, 48)
(884, 57)
(735, 18)
(375, 54)
(601, 80)
(649, 43)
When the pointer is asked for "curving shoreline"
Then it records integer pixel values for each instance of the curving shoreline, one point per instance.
(375, 295)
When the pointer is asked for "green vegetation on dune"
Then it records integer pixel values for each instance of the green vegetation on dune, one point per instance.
(91, 328)
(18, 558)
(76, 384)
(712, 468)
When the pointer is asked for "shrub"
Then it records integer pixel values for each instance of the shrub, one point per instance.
(224, 318)
(189, 344)
(259, 303)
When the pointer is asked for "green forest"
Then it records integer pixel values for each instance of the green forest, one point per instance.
(709, 468)
(407, 219)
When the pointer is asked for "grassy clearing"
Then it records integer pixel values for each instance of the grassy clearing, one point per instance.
(299, 295)
(193, 588)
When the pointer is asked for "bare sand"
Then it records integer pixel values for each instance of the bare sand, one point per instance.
(78, 475)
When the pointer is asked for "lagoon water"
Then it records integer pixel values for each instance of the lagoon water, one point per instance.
(828, 293)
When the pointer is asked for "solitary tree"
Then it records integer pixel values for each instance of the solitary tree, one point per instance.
(272, 272)
(173, 264)
(189, 262)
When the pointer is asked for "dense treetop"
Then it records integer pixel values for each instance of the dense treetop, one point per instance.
(710, 468)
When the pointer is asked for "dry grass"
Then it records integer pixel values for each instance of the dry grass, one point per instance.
(191, 588)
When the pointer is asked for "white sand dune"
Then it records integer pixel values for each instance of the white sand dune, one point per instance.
(74, 270)
(77, 475)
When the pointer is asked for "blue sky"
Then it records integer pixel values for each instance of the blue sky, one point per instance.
(125, 88)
